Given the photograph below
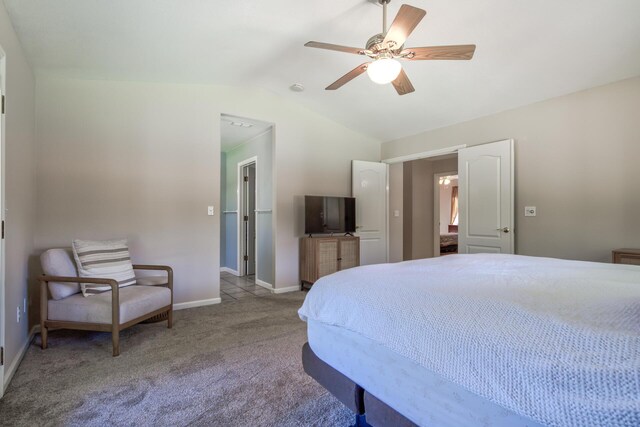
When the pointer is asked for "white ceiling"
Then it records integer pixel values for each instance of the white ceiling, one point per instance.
(526, 51)
(231, 136)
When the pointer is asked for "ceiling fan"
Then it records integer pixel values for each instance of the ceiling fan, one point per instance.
(387, 47)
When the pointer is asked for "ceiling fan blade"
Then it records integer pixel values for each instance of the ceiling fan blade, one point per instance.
(464, 51)
(336, 47)
(405, 22)
(348, 77)
(403, 84)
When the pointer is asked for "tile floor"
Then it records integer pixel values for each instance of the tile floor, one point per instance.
(233, 287)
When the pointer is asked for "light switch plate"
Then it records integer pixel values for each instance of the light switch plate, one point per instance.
(529, 211)
(396, 213)
(210, 210)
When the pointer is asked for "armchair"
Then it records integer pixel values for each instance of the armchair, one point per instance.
(111, 311)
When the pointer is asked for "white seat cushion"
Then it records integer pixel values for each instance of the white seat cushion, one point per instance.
(135, 301)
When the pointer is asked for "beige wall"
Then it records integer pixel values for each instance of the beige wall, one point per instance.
(19, 188)
(419, 200)
(576, 160)
(142, 161)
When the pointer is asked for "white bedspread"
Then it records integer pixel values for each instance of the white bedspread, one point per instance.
(557, 341)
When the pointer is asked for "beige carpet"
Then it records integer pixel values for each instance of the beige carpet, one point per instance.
(232, 364)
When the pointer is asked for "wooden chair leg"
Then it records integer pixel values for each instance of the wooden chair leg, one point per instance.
(170, 319)
(44, 313)
(43, 335)
(115, 340)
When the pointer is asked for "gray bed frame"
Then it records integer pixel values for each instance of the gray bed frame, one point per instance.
(368, 409)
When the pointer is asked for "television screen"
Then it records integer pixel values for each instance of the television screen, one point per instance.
(329, 215)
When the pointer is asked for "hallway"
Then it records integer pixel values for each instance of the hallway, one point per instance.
(233, 287)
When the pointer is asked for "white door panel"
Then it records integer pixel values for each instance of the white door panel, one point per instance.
(472, 249)
(485, 191)
(251, 224)
(2, 248)
(369, 187)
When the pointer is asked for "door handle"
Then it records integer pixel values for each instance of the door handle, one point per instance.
(504, 229)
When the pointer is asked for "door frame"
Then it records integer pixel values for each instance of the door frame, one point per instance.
(425, 154)
(436, 210)
(240, 205)
(417, 156)
(3, 75)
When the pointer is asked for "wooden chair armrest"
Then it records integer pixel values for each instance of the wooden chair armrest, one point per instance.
(166, 268)
(95, 281)
(152, 267)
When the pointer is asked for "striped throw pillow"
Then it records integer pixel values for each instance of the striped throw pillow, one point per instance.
(108, 259)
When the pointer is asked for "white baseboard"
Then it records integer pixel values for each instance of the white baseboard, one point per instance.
(200, 303)
(264, 284)
(13, 367)
(287, 289)
(228, 270)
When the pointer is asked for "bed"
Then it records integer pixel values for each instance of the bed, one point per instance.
(483, 339)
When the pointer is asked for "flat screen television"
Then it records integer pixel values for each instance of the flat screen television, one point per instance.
(325, 215)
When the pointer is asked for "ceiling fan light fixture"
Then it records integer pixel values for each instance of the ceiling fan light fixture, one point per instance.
(384, 70)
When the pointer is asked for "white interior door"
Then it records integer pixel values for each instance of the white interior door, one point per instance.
(251, 223)
(246, 210)
(485, 198)
(369, 187)
(2, 242)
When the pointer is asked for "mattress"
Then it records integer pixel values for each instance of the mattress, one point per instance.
(552, 340)
(419, 394)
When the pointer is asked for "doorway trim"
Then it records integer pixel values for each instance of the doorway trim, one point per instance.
(240, 199)
(436, 210)
(3, 78)
(425, 154)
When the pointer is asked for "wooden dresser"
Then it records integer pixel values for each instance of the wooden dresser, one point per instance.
(321, 256)
(626, 256)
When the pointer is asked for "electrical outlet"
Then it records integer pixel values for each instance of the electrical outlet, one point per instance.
(18, 314)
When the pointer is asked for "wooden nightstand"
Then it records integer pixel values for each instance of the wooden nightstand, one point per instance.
(626, 256)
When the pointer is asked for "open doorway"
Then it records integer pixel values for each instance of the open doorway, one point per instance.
(247, 258)
(413, 210)
(485, 201)
(445, 213)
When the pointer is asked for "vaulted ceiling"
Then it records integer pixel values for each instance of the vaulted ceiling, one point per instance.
(526, 51)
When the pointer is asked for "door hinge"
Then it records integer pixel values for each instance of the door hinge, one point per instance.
(2, 104)
(246, 179)
(2, 229)
(246, 217)
(1, 356)
(246, 257)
